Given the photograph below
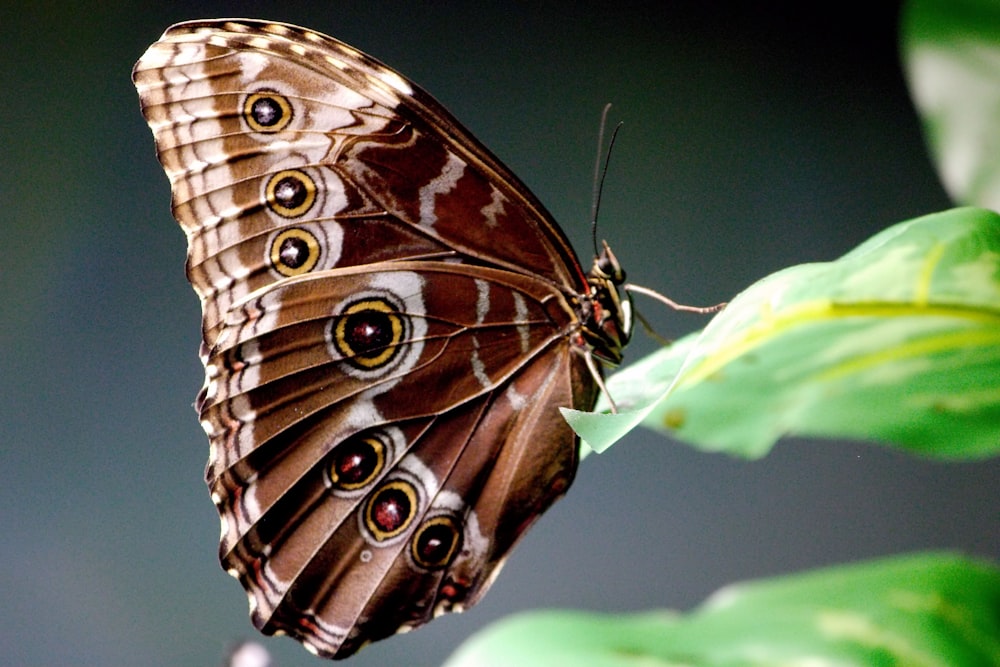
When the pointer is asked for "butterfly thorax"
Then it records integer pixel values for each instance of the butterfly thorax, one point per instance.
(607, 322)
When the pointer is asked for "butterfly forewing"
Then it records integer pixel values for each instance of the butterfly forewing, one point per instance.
(246, 113)
(390, 322)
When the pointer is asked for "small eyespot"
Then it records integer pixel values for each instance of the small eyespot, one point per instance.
(356, 462)
(390, 510)
(294, 251)
(267, 111)
(436, 542)
(368, 333)
(290, 193)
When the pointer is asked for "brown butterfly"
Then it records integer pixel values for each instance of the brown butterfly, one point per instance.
(391, 321)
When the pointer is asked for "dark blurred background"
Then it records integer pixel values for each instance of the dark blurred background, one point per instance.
(753, 140)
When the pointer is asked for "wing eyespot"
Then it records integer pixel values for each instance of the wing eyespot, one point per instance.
(267, 111)
(368, 333)
(436, 542)
(294, 251)
(356, 462)
(391, 509)
(290, 193)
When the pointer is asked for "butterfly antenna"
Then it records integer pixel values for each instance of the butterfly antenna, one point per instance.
(600, 172)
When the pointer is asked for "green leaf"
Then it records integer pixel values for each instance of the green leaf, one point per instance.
(897, 341)
(923, 610)
(636, 389)
(951, 53)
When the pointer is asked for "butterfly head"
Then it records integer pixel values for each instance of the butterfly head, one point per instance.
(607, 266)
(608, 320)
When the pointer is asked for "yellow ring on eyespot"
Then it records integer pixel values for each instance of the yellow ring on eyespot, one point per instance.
(411, 495)
(312, 248)
(378, 447)
(282, 103)
(275, 182)
(385, 354)
(456, 533)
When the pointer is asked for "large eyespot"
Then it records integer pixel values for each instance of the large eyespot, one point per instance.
(436, 542)
(368, 333)
(290, 193)
(267, 111)
(390, 510)
(357, 462)
(379, 332)
(294, 251)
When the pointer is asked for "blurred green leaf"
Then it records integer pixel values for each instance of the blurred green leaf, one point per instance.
(923, 610)
(897, 341)
(951, 53)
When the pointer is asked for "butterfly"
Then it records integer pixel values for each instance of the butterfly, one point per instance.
(391, 321)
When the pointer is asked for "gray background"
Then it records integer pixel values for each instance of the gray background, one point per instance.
(753, 140)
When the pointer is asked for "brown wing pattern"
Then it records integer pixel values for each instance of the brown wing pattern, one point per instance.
(263, 128)
(442, 420)
(390, 322)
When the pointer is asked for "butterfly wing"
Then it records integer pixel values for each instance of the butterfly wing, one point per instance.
(366, 486)
(276, 138)
(387, 330)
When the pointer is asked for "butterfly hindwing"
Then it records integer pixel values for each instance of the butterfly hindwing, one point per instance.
(343, 396)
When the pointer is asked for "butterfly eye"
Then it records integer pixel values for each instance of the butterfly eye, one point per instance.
(368, 333)
(290, 193)
(294, 251)
(356, 462)
(436, 542)
(267, 111)
(608, 266)
(390, 510)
